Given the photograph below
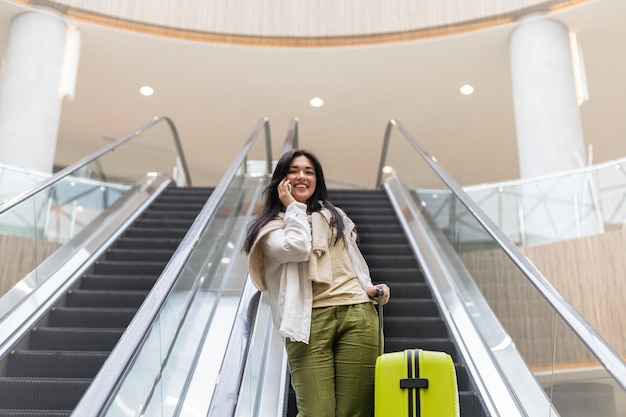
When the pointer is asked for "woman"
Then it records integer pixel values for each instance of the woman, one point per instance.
(303, 252)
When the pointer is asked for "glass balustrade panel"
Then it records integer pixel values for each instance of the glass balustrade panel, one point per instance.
(55, 223)
(563, 366)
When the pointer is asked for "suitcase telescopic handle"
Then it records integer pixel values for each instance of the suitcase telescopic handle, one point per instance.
(381, 336)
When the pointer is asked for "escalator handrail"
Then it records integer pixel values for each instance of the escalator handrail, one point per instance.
(242, 333)
(292, 138)
(53, 179)
(605, 354)
(98, 394)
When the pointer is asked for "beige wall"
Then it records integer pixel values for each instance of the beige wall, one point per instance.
(590, 274)
(19, 256)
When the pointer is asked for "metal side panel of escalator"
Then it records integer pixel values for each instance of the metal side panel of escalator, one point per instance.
(49, 369)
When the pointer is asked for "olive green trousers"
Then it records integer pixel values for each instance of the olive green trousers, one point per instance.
(333, 375)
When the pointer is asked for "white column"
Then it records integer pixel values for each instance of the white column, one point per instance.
(549, 130)
(30, 98)
(549, 133)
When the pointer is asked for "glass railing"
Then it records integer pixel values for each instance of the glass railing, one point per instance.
(14, 180)
(169, 361)
(566, 205)
(263, 363)
(525, 325)
(48, 224)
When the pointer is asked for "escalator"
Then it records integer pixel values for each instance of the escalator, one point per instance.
(412, 318)
(203, 336)
(49, 369)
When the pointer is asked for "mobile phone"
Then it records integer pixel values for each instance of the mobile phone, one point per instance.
(289, 188)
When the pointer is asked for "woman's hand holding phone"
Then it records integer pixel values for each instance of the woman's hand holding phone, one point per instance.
(284, 192)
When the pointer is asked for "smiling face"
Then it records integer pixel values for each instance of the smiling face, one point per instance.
(301, 176)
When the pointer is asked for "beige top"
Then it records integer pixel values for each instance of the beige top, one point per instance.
(345, 287)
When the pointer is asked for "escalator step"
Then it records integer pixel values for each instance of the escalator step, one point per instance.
(59, 364)
(35, 413)
(93, 298)
(147, 243)
(383, 229)
(73, 339)
(392, 249)
(175, 223)
(470, 405)
(382, 218)
(381, 239)
(398, 261)
(402, 290)
(42, 393)
(415, 327)
(188, 207)
(399, 344)
(129, 267)
(364, 213)
(149, 232)
(194, 198)
(407, 307)
(118, 282)
(139, 255)
(413, 275)
(462, 378)
(89, 317)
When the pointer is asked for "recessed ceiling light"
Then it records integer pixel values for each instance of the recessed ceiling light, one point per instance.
(316, 102)
(466, 90)
(146, 90)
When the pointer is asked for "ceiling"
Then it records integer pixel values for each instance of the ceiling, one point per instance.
(216, 93)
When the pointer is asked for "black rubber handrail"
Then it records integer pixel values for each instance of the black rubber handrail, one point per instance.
(53, 179)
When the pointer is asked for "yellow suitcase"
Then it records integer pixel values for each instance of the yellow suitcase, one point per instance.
(415, 383)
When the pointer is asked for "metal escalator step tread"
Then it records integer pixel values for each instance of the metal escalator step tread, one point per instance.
(156, 232)
(146, 243)
(91, 317)
(413, 275)
(59, 364)
(42, 393)
(74, 338)
(129, 267)
(118, 282)
(412, 307)
(169, 224)
(395, 261)
(138, 255)
(389, 249)
(415, 326)
(386, 216)
(470, 404)
(105, 298)
(34, 413)
(182, 206)
(381, 239)
(171, 198)
(401, 290)
(379, 228)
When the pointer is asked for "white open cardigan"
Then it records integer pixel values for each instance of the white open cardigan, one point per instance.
(278, 264)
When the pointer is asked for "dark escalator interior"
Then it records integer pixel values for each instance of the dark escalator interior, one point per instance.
(48, 371)
(411, 318)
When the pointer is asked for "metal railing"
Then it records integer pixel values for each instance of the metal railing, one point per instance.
(424, 176)
(150, 329)
(63, 215)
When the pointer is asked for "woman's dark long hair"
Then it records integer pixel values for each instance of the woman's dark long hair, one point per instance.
(272, 204)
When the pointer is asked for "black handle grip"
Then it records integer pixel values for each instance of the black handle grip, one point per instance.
(381, 337)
